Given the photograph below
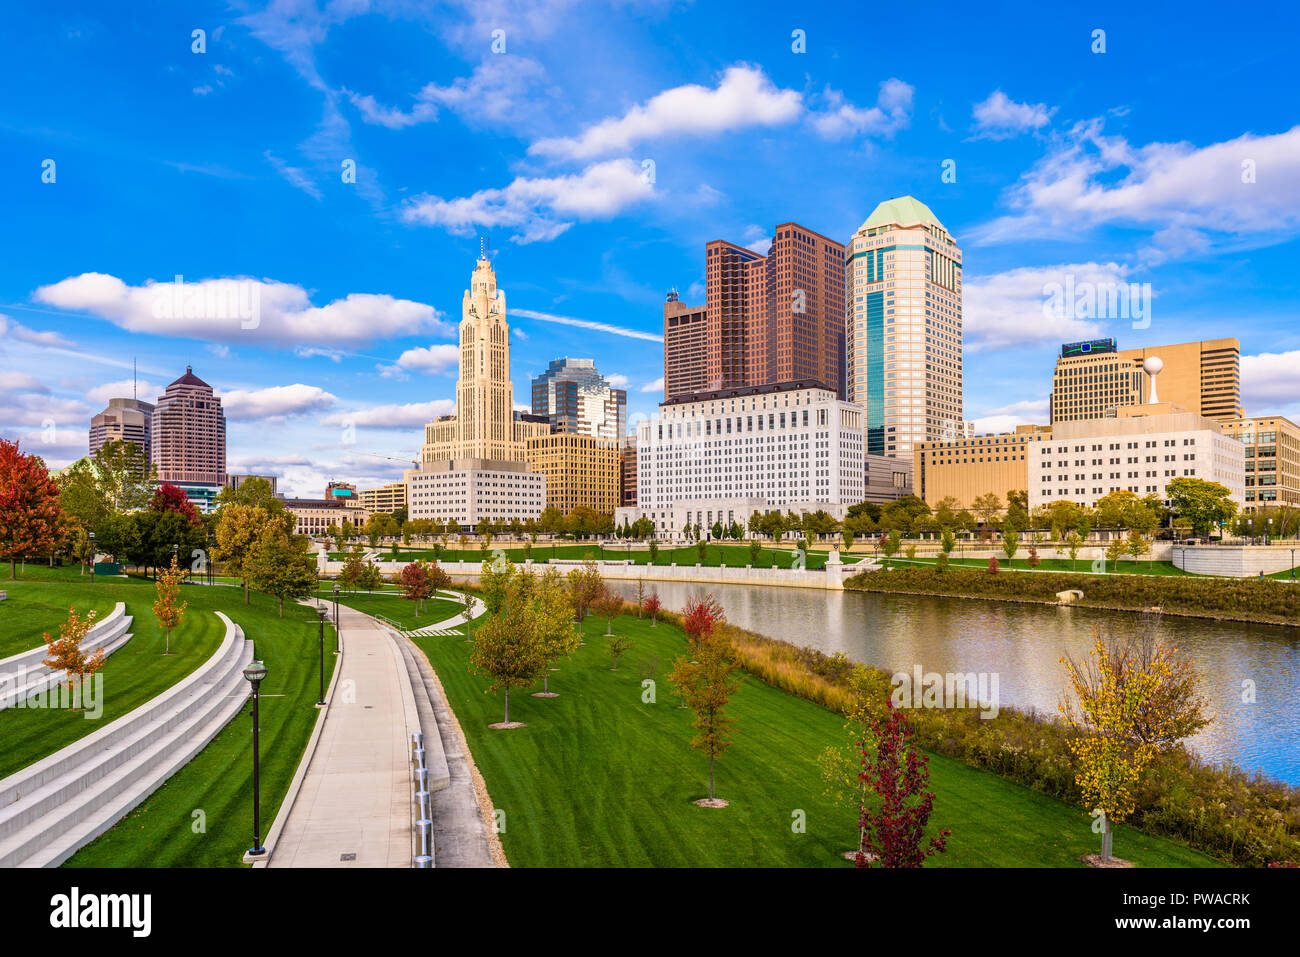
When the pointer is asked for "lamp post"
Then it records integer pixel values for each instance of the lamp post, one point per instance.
(255, 672)
(322, 614)
(338, 635)
(92, 557)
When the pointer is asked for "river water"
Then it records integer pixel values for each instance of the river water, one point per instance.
(1023, 644)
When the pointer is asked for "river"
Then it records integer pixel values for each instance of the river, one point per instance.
(1023, 644)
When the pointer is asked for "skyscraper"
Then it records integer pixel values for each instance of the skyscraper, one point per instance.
(484, 426)
(904, 343)
(777, 317)
(1095, 377)
(189, 439)
(125, 420)
(685, 348)
(578, 400)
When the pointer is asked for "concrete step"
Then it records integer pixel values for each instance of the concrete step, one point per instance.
(52, 808)
(22, 675)
(435, 757)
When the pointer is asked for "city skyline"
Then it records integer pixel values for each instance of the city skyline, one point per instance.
(1055, 182)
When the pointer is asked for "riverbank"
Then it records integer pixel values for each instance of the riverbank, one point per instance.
(1260, 601)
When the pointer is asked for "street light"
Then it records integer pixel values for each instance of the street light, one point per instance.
(338, 635)
(322, 615)
(92, 558)
(255, 672)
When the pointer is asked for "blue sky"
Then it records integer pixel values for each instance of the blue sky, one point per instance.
(597, 148)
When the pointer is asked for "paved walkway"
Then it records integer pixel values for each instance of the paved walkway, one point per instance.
(356, 795)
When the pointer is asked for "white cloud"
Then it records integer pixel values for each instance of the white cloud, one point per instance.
(617, 381)
(294, 176)
(1005, 419)
(203, 90)
(21, 382)
(214, 310)
(431, 361)
(495, 93)
(122, 389)
(37, 409)
(840, 118)
(407, 416)
(539, 208)
(276, 402)
(757, 238)
(1006, 310)
(589, 324)
(656, 386)
(744, 97)
(1191, 198)
(220, 351)
(1001, 118)
(1269, 382)
(13, 330)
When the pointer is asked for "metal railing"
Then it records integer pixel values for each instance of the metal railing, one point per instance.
(423, 826)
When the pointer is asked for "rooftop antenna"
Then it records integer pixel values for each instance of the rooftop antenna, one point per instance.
(135, 391)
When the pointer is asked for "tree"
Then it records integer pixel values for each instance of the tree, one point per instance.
(372, 577)
(257, 492)
(507, 651)
(1137, 547)
(439, 580)
(550, 618)
(353, 568)
(701, 551)
(893, 834)
(121, 472)
(494, 579)
(755, 549)
(987, 507)
(584, 585)
(716, 531)
(1072, 545)
(1010, 542)
(1204, 505)
(891, 543)
(652, 604)
(654, 552)
(415, 583)
(239, 529)
(617, 647)
(1018, 509)
(31, 519)
(701, 616)
(1131, 699)
(707, 684)
(993, 565)
(847, 536)
(640, 596)
(1033, 561)
(282, 567)
(1116, 550)
(608, 604)
(165, 609)
(841, 766)
(65, 652)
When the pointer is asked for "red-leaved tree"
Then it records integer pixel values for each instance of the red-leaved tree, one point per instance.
(893, 833)
(700, 616)
(31, 518)
(171, 498)
(652, 603)
(415, 584)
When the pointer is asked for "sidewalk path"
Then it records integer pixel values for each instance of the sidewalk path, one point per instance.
(356, 795)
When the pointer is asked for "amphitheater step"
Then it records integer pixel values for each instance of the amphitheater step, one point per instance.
(22, 675)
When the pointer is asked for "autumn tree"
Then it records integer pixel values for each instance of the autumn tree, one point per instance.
(1132, 699)
(439, 580)
(165, 608)
(239, 529)
(706, 682)
(494, 579)
(608, 604)
(506, 651)
(584, 585)
(66, 654)
(353, 567)
(415, 583)
(617, 647)
(552, 612)
(702, 614)
(652, 603)
(282, 566)
(31, 519)
(841, 765)
(892, 831)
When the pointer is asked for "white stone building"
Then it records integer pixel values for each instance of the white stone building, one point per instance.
(466, 490)
(721, 456)
(1142, 450)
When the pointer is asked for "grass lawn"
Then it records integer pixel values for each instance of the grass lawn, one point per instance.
(160, 832)
(28, 613)
(1083, 565)
(402, 611)
(598, 778)
(732, 555)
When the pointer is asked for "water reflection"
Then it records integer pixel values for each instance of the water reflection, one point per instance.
(1024, 644)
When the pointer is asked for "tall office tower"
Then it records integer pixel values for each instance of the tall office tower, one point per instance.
(904, 343)
(578, 400)
(777, 317)
(685, 348)
(1094, 378)
(484, 426)
(627, 465)
(189, 437)
(125, 420)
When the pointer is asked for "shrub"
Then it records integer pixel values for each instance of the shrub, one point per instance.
(993, 564)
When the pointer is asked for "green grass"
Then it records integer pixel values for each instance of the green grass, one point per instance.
(29, 613)
(732, 555)
(402, 611)
(219, 781)
(132, 675)
(1083, 565)
(598, 778)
